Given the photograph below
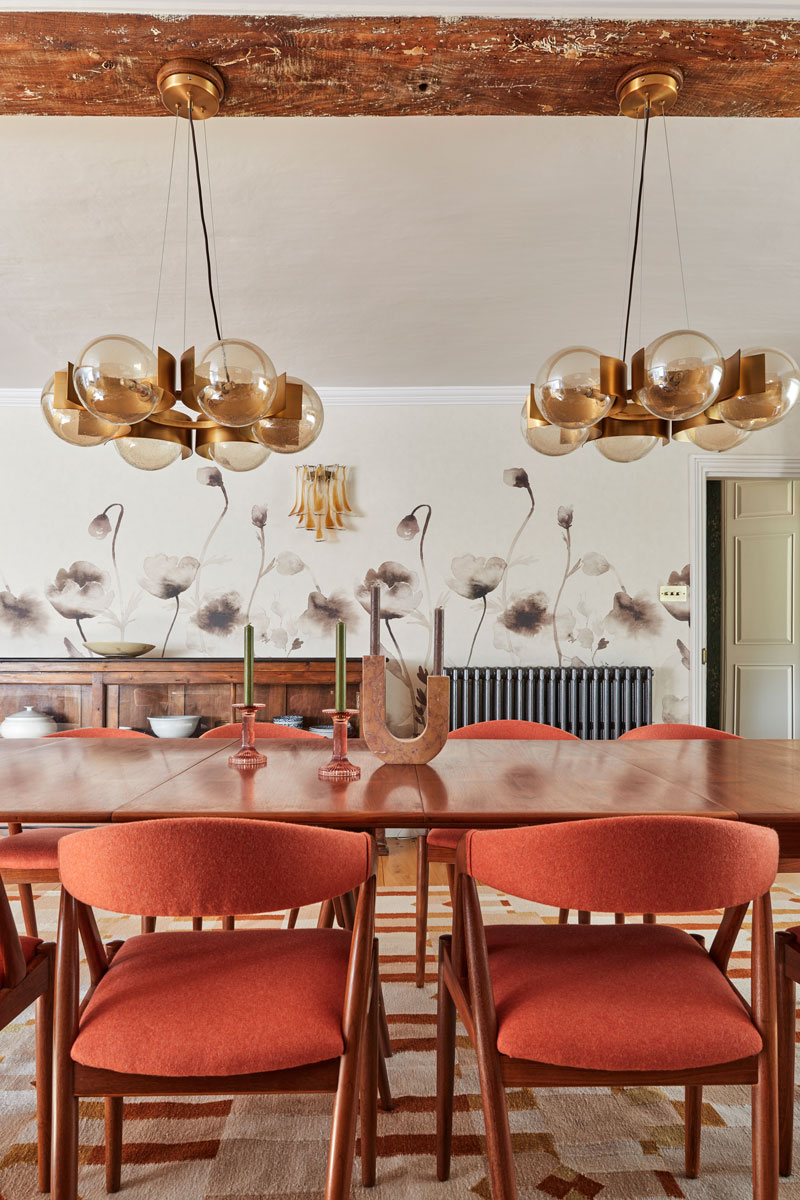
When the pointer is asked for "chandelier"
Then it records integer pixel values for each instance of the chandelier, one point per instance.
(681, 387)
(235, 408)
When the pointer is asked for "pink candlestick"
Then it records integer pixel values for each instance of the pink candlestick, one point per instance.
(339, 769)
(247, 756)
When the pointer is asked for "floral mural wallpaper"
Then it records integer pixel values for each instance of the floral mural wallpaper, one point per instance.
(529, 576)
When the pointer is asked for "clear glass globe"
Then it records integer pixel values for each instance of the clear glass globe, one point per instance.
(115, 378)
(714, 437)
(286, 435)
(624, 449)
(568, 389)
(683, 373)
(770, 406)
(238, 456)
(74, 425)
(236, 382)
(148, 454)
(551, 440)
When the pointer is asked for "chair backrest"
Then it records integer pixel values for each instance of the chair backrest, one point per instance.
(513, 730)
(263, 729)
(98, 733)
(211, 865)
(646, 733)
(652, 864)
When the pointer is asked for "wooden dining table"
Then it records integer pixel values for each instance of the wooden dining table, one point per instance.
(471, 783)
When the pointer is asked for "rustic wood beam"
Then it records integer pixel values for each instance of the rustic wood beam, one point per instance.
(93, 63)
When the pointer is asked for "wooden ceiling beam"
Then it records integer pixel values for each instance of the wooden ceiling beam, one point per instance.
(90, 64)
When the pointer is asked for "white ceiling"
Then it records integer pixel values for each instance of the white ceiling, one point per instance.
(380, 252)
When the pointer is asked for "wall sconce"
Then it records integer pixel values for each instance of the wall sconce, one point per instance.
(320, 498)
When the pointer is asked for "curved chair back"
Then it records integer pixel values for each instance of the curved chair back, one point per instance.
(513, 730)
(653, 864)
(211, 865)
(98, 733)
(647, 733)
(263, 729)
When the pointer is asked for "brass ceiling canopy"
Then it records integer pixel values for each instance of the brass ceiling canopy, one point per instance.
(655, 88)
(185, 82)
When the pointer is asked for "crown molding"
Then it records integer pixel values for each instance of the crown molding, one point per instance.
(30, 397)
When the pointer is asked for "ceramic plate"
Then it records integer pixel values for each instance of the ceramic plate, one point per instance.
(118, 649)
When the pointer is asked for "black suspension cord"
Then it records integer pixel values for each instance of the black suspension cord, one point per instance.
(205, 230)
(636, 232)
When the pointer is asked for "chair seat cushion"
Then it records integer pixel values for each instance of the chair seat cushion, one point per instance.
(33, 849)
(218, 1003)
(614, 998)
(29, 947)
(445, 839)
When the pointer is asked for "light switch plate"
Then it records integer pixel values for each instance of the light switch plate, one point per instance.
(673, 593)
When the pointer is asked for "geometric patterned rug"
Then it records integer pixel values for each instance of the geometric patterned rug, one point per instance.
(616, 1144)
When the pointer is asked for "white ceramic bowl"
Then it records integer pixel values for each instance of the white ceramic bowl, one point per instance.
(173, 727)
(119, 649)
(27, 724)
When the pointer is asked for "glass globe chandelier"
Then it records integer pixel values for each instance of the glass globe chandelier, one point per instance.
(234, 407)
(681, 387)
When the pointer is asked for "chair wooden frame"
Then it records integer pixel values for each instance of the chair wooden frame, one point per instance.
(465, 989)
(353, 1077)
(787, 968)
(24, 983)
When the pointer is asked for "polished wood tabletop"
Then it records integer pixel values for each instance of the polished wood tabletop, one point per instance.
(469, 783)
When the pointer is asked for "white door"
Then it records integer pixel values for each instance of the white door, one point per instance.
(761, 601)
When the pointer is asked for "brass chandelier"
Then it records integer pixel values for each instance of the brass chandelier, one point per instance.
(681, 387)
(236, 409)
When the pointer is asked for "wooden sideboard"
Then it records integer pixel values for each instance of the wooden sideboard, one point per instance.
(124, 692)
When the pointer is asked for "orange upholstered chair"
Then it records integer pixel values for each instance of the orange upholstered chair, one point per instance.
(440, 845)
(650, 733)
(30, 856)
(787, 959)
(263, 729)
(612, 1005)
(26, 975)
(220, 1012)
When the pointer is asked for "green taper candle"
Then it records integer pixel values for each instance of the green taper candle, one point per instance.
(340, 695)
(248, 664)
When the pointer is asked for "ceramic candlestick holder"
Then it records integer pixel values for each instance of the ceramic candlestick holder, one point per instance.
(340, 769)
(247, 756)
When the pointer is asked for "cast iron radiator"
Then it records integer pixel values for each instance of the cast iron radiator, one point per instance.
(591, 702)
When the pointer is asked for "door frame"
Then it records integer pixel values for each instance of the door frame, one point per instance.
(703, 467)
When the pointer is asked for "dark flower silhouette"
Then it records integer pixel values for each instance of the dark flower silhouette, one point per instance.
(258, 515)
(210, 476)
(220, 614)
(100, 527)
(408, 527)
(322, 612)
(636, 616)
(80, 592)
(526, 615)
(474, 577)
(398, 594)
(684, 653)
(516, 477)
(166, 576)
(564, 516)
(22, 614)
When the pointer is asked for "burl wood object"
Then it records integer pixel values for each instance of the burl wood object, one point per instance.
(383, 744)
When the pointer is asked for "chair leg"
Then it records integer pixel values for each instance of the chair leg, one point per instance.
(619, 918)
(229, 923)
(148, 924)
(450, 868)
(44, 1081)
(445, 1072)
(113, 1115)
(325, 919)
(293, 915)
(64, 1184)
(197, 923)
(584, 917)
(692, 1129)
(421, 917)
(369, 1081)
(563, 916)
(495, 1117)
(648, 918)
(765, 1131)
(786, 992)
(343, 1130)
(28, 910)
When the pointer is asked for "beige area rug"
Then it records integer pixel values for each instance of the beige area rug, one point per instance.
(618, 1144)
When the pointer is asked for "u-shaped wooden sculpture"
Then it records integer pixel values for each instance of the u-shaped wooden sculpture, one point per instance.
(383, 744)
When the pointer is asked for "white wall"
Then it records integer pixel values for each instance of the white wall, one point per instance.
(400, 455)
